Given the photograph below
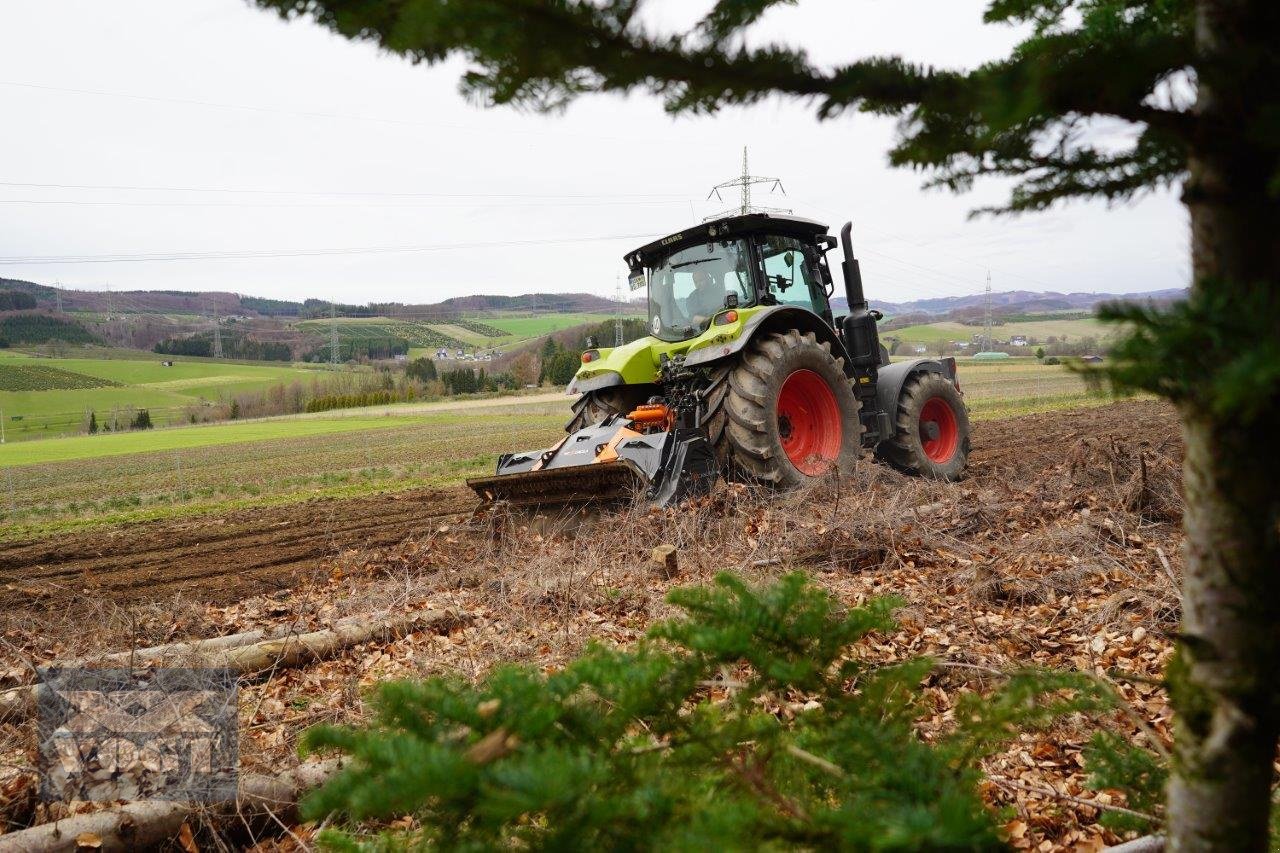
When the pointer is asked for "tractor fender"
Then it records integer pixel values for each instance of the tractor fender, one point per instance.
(891, 378)
(775, 318)
(603, 380)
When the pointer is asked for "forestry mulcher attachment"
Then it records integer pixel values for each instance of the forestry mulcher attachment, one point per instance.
(746, 374)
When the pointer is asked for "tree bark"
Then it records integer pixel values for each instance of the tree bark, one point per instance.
(148, 824)
(1224, 679)
(285, 652)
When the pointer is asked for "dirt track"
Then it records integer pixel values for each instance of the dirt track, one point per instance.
(233, 556)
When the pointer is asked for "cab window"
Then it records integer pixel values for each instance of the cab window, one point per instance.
(789, 273)
(688, 288)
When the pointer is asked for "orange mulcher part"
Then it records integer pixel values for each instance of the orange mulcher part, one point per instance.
(652, 415)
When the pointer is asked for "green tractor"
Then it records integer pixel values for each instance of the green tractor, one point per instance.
(747, 374)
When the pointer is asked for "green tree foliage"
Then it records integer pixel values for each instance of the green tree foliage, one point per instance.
(633, 329)
(233, 346)
(328, 402)
(559, 363)
(141, 420)
(93, 422)
(1100, 99)
(1018, 117)
(630, 749)
(196, 345)
(271, 307)
(354, 345)
(421, 369)
(42, 328)
(1141, 774)
(11, 300)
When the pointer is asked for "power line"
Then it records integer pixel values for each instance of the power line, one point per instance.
(313, 205)
(432, 125)
(345, 193)
(297, 253)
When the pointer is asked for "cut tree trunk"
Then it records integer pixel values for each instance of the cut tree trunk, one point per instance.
(1223, 681)
(284, 652)
(146, 824)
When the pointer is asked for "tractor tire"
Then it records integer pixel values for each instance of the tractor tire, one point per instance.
(784, 412)
(932, 438)
(594, 406)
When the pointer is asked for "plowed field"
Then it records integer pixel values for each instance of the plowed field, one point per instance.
(228, 557)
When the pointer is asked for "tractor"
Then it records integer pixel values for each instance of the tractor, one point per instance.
(746, 374)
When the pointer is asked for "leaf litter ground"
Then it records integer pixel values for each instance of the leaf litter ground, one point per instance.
(1062, 548)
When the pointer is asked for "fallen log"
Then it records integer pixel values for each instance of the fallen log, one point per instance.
(1145, 844)
(286, 652)
(151, 823)
(182, 649)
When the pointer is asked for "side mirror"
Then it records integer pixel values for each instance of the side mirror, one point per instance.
(789, 259)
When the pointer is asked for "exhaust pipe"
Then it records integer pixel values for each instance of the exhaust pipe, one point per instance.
(861, 338)
(852, 273)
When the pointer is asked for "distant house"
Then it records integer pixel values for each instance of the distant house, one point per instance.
(401, 357)
(921, 348)
(1091, 359)
(1018, 340)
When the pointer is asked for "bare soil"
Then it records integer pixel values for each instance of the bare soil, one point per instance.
(233, 556)
(222, 558)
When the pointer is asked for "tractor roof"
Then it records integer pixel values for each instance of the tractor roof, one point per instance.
(720, 229)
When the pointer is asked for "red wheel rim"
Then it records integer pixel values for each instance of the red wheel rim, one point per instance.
(809, 422)
(938, 412)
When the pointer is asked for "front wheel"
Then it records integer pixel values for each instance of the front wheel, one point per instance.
(932, 438)
(594, 406)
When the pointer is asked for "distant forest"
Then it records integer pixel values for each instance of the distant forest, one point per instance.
(233, 346)
(11, 300)
(41, 328)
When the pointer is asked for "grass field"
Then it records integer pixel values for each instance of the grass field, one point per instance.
(188, 438)
(168, 473)
(143, 383)
(935, 332)
(542, 324)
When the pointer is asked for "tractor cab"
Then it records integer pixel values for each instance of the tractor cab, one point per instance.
(736, 263)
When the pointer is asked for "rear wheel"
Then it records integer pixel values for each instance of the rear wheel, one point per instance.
(932, 438)
(594, 406)
(785, 412)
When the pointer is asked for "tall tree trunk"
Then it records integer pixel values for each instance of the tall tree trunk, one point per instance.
(1226, 677)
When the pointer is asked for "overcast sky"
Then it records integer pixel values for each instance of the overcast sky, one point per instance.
(180, 127)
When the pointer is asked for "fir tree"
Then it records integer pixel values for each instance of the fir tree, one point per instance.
(1195, 83)
(686, 741)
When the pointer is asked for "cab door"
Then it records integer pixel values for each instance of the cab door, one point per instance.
(791, 275)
